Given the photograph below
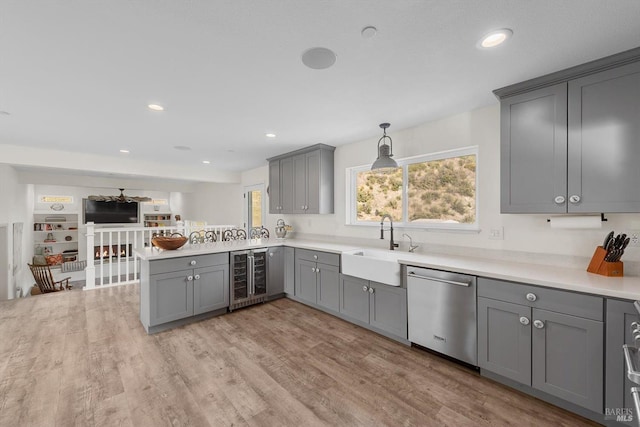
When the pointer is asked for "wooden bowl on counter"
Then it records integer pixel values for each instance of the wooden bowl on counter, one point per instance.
(169, 243)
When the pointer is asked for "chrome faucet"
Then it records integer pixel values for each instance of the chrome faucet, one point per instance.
(392, 245)
(412, 247)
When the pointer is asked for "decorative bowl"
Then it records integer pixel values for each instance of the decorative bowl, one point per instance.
(169, 243)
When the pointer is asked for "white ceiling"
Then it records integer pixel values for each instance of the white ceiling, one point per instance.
(76, 75)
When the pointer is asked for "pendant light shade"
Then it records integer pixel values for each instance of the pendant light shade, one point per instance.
(385, 151)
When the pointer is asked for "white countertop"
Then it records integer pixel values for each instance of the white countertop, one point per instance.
(536, 274)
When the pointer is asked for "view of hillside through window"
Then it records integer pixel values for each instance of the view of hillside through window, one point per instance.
(438, 191)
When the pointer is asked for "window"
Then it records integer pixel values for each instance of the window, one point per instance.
(431, 191)
(254, 206)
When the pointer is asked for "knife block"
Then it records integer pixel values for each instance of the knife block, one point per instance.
(599, 266)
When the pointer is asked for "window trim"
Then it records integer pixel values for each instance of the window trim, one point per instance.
(351, 193)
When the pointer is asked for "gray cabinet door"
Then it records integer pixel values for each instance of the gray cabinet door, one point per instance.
(313, 182)
(504, 342)
(354, 298)
(210, 288)
(299, 183)
(620, 315)
(388, 309)
(289, 271)
(274, 187)
(171, 296)
(533, 151)
(275, 270)
(306, 280)
(286, 185)
(328, 286)
(568, 358)
(604, 135)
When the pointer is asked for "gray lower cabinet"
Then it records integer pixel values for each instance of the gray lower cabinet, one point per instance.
(289, 271)
(523, 336)
(504, 340)
(275, 271)
(620, 315)
(382, 306)
(317, 278)
(178, 288)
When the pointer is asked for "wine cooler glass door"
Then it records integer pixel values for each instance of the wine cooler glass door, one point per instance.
(260, 273)
(240, 277)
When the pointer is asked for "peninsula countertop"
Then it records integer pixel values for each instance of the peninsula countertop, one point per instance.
(570, 279)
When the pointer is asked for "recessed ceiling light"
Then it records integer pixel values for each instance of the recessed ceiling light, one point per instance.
(270, 135)
(206, 162)
(182, 148)
(124, 151)
(368, 32)
(155, 107)
(318, 58)
(231, 151)
(494, 38)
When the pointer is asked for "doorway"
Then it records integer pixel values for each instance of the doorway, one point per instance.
(254, 206)
(4, 262)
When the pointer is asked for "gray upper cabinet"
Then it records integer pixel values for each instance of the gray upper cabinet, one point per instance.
(570, 140)
(533, 151)
(302, 181)
(604, 141)
(620, 315)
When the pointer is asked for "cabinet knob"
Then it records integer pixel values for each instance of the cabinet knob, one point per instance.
(531, 297)
(559, 200)
(574, 199)
(193, 262)
(189, 278)
(315, 257)
(524, 320)
(270, 254)
(365, 288)
(371, 290)
(317, 270)
(196, 277)
(635, 325)
(538, 324)
(313, 269)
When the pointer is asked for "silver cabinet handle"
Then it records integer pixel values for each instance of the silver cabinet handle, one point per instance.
(531, 297)
(365, 288)
(189, 278)
(635, 325)
(193, 262)
(538, 324)
(636, 398)
(196, 277)
(630, 355)
(574, 198)
(371, 290)
(559, 200)
(524, 320)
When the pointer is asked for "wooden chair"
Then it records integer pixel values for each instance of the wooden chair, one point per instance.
(44, 279)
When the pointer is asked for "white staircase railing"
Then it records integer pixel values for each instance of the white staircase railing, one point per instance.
(110, 251)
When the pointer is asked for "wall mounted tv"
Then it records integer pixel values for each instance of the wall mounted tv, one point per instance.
(110, 212)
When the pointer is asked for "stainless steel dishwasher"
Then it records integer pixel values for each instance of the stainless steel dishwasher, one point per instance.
(442, 312)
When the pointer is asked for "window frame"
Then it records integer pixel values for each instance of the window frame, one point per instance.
(351, 192)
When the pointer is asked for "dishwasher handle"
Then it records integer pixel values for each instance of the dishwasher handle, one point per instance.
(435, 279)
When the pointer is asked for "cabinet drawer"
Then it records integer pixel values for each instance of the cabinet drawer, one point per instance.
(185, 263)
(575, 304)
(317, 256)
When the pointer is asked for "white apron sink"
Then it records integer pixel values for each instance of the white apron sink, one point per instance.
(373, 264)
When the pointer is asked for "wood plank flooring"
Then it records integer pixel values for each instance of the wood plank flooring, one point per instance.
(83, 359)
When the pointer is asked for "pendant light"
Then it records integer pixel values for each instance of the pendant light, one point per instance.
(385, 152)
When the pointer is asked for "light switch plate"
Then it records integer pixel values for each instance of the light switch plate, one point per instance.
(496, 233)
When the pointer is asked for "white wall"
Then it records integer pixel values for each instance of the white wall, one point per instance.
(17, 206)
(528, 233)
(215, 204)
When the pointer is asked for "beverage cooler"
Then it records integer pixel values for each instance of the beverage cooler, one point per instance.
(248, 278)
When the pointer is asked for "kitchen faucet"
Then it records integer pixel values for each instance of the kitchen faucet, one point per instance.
(392, 245)
(412, 247)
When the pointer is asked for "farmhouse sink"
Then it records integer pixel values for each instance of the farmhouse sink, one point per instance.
(373, 264)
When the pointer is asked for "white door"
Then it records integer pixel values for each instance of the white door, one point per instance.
(4, 263)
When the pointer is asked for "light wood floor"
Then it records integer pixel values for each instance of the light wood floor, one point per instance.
(83, 359)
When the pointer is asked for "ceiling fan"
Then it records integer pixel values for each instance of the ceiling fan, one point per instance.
(121, 198)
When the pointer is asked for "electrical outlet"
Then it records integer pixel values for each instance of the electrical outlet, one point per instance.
(634, 236)
(496, 233)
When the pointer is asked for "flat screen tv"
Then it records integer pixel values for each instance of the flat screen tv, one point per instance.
(110, 212)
